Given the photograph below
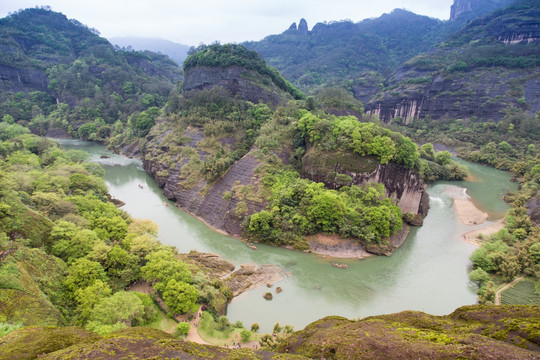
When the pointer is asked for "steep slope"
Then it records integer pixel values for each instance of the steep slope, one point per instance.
(219, 157)
(487, 69)
(57, 74)
(465, 10)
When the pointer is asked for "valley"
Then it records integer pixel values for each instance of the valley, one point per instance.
(351, 190)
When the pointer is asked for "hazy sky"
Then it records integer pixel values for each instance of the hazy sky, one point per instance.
(194, 21)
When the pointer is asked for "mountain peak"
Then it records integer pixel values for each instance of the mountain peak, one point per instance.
(302, 26)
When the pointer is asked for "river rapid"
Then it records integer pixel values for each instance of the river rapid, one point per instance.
(428, 273)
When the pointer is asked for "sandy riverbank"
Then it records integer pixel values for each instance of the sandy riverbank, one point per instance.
(336, 247)
(466, 211)
(473, 237)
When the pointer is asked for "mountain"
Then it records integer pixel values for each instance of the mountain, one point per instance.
(482, 72)
(467, 10)
(58, 75)
(335, 51)
(177, 52)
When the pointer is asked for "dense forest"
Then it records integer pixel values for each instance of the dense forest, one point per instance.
(73, 252)
(62, 79)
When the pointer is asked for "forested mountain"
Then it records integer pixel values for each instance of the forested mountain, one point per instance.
(333, 52)
(487, 67)
(60, 77)
(177, 52)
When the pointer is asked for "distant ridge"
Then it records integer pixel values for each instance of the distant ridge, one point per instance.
(177, 52)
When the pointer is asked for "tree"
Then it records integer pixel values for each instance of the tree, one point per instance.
(182, 328)
(443, 157)
(162, 266)
(88, 297)
(427, 152)
(110, 228)
(255, 327)
(75, 247)
(180, 297)
(245, 334)
(223, 322)
(122, 307)
(383, 147)
(83, 273)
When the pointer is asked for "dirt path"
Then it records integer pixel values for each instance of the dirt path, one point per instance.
(498, 294)
(193, 334)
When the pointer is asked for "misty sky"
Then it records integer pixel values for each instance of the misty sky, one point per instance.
(204, 21)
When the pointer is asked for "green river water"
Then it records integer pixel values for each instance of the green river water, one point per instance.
(428, 273)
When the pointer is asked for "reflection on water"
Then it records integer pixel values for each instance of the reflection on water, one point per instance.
(428, 273)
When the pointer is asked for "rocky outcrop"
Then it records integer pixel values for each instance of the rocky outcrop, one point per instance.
(240, 82)
(464, 10)
(533, 208)
(22, 79)
(206, 201)
(480, 93)
(402, 185)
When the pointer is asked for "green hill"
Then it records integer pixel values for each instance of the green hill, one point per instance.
(58, 74)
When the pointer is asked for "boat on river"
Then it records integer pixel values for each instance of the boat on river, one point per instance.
(340, 266)
(252, 246)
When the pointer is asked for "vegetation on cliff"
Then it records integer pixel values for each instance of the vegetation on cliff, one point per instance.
(227, 55)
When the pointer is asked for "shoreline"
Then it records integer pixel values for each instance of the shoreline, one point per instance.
(466, 210)
(333, 246)
(472, 237)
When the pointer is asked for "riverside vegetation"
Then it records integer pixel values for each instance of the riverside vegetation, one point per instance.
(72, 253)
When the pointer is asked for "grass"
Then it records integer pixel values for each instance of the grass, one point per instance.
(210, 332)
(163, 322)
(521, 293)
(6, 328)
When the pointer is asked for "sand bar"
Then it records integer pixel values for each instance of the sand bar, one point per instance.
(466, 211)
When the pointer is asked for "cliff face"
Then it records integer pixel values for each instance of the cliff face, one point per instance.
(488, 67)
(402, 185)
(239, 82)
(195, 195)
(464, 10)
(481, 93)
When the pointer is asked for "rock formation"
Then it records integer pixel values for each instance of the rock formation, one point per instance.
(402, 185)
(238, 81)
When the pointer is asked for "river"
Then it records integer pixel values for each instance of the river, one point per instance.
(428, 273)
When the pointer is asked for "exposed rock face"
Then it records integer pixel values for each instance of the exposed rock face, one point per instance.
(402, 185)
(459, 7)
(303, 27)
(449, 96)
(533, 207)
(20, 79)
(245, 84)
(208, 204)
(464, 10)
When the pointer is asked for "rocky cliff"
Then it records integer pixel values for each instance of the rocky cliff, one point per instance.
(480, 93)
(194, 194)
(335, 170)
(464, 10)
(488, 67)
(240, 82)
